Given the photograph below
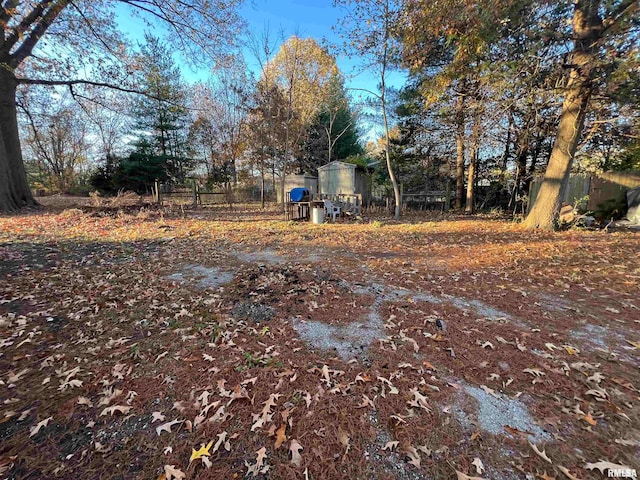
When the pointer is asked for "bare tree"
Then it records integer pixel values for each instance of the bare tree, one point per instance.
(195, 26)
(368, 27)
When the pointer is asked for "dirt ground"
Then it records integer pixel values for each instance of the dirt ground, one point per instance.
(223, 343)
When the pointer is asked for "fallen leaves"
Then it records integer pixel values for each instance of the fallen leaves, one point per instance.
(419, 401)
(345, 441)
(391, 445)
(516, 432)
(541, 453)
(280, 436)
(40, 425)
(203, 451)
(122, 409)
(603, 466)
(413, 455)
(479, 465)
(166, 427)
(265, 416)
(130, 332)
(294, 448)
(157, 417)
(172, 473)
(260, 466)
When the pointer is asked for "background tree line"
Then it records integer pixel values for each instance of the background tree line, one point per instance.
(496, 93)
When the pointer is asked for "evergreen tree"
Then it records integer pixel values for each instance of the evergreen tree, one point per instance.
(161, 114)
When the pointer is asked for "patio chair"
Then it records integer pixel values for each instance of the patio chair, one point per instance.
(331, 209)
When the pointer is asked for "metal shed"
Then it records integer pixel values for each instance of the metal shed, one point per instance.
(344, 178)
(298, 181)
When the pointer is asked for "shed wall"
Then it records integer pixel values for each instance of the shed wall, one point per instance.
(337, 178)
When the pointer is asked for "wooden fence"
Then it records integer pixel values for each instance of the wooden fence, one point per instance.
(597, 193)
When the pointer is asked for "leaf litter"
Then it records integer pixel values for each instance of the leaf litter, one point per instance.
(388, 398)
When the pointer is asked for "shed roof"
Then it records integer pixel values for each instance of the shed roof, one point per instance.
(337, 163)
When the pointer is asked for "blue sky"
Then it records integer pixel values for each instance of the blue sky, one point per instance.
(306, 18)
(283, 18)
(310, 18)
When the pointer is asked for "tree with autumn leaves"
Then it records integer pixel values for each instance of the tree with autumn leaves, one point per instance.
(59, 42)
(461, 48)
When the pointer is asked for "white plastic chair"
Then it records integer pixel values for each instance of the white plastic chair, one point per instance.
(331, 209)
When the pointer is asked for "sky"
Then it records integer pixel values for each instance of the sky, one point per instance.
(310, 18)
(283, 18)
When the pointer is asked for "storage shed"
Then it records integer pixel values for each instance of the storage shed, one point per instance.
(298, 181)
(344, 178)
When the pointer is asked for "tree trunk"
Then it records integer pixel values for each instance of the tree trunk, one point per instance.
(521, 168)
(262, 182)
(470, 206)
(586, 27)
(383, 101)
(14, 188)
(460, 151)
(471, 194)
(394, 182)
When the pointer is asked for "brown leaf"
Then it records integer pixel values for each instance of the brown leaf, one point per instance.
(516, 432)
(542, 454)
(172, 472)
(280, 436)
(567, 473)
(295, 448)
(479, 465)
(590, 420)
(344, 439)
(116, 408)
(603, 466)
(259, 466)
(35, 429)
(390, 445)
(166, 427)
(414, 456)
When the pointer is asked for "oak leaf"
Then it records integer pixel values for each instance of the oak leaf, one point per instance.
(603, 466)
(171, 472)
(157, 417)
(542, 454)
(414, 456)
(345, 441)
(259, 466)
(567, 473)
(202, 452)
(294, 448)
(166, 427)
(116, 408)
(479, 465)
(515, 431)
(280, 436)
(36, 428)
(390, 445)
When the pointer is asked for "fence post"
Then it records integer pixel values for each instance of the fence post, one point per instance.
(157, 194)
(194, 191)
(447, 200)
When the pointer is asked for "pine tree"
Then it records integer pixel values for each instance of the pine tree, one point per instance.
(161, 115)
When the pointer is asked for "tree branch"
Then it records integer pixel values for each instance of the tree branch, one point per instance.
(26, 22)
(71, 83)
(45, 22)
(6, 10)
